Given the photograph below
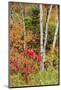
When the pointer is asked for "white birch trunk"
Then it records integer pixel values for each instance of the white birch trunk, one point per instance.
(55, 37)
(24, 28)
(41, 37)
(46, 31)
(24, 38)
(56, 31)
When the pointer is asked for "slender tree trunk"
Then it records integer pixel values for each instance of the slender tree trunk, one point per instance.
(41, 38)
(24, 27)
(46, 31)
(55, 36)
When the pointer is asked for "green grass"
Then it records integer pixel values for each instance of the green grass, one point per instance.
(46, 77)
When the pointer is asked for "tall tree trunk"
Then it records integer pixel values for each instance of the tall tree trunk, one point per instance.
(46, 31)
(41, 38)
(22, 10)
(55, 36)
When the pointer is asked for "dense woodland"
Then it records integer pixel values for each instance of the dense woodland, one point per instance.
(34, 41)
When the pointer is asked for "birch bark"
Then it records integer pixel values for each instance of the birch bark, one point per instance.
(46, 31)
(22, 11)
(55, 36)
(41, 37)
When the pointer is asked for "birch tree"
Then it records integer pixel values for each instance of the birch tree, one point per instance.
(55, 36)
(41, 37)
(46, 31)
(22, 11)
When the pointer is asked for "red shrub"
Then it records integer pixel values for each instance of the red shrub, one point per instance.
(33, 55)
(30, 53)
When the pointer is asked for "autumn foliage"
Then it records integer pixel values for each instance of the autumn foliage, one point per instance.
(33, 55)
(25, 63)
